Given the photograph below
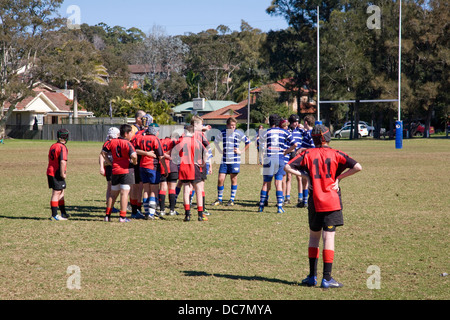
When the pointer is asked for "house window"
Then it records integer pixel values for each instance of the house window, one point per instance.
(18, 119)
(54, 120)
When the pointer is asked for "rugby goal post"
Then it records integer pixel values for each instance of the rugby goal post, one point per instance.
(399, 122)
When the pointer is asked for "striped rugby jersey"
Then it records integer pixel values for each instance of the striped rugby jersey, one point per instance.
(275, 141)
(307, 141)
(297, 136)
(231, 139)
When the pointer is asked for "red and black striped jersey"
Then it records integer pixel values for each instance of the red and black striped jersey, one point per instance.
(58, 151)
(323, 165)
(121, 151)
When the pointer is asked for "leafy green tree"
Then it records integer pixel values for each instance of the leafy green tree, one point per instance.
(267, 104)
(23, 29)
(427, 58)
(72, 60)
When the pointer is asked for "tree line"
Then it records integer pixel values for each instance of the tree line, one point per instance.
(359, 60)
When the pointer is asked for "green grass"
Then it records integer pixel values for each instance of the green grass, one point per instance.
(396, 217)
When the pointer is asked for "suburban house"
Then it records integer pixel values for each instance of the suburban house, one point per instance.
(138, 73)
(48, 105)
(198, 106)
(288, 95)
(219, 117)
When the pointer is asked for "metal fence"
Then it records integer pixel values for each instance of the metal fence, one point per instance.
(78, 132)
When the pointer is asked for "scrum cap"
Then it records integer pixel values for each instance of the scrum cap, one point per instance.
(63, 134)
(320, 134)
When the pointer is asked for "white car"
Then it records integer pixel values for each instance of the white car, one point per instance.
(344, 132)
(370, 128)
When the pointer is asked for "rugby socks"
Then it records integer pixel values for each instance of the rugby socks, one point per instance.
(123, 214)
(201, 216)
(62, 207)
(177, 192)
(54, 207)
(313, 255)
(233, 192)
(152, 205)
(263, 198)
(172, 199)
(146, 206)
(134, 206)
(328, 257)
(305, 196)
(204, 198)
(220, 193)
(108, 212)
(187, 209)
(192, 196)
(162, 200)
(300, 197)
(288, 197)
(280, 199)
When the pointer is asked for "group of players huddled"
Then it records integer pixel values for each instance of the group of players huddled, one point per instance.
(141, 168)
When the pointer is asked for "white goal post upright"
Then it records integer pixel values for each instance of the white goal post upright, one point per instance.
(398, 123)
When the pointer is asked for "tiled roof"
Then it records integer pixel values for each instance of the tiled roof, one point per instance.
(238, 110)
(210, 106)
(58, 99)
(283, 85)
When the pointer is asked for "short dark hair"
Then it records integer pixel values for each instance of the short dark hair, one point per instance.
(189, 128)
(310, 120)
(294, 118)
(125, 128)
(274, 120)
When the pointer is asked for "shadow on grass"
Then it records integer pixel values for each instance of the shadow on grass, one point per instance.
(86, 213)
(189, 273)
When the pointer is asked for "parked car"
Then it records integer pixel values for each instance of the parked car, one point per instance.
(418, 129)
(344, 132)
(370, 128)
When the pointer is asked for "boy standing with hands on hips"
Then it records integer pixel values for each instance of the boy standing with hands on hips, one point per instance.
(326, 168)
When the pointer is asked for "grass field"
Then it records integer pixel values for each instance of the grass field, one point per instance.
(396, 218)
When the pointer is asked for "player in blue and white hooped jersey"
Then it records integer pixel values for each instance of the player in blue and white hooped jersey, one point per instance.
(228, 141)
(307, 143)
(276, 143)
(297, 135)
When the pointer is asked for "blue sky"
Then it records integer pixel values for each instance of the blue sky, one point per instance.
(176, 16)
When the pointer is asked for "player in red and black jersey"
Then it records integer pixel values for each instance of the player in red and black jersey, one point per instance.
(106, 167)
(168, 183)
(190, 155)
(136, 193)
(124, 157)
(326, 167)
(57, 173)
(150, 168)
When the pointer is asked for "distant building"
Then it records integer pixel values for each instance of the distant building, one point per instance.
(199, 107)
(219, 117)
(49, 105)
(288, 95)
